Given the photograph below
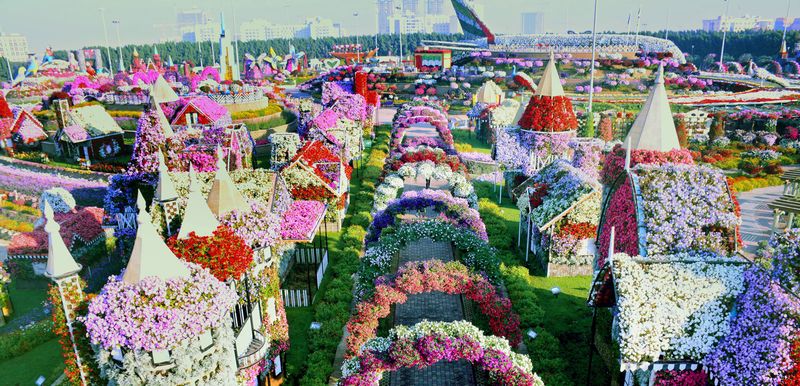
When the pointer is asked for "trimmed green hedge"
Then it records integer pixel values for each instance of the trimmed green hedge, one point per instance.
(333, 301)
(21, 341)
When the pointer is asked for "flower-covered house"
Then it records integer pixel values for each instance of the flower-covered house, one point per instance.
(317, 174)
(87, 132)
(559, 213)
(201, 110)
(19, 128)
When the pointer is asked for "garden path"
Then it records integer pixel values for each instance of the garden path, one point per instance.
(756, 216)
(436, 306)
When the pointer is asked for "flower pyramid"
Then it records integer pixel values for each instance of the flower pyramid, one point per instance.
(549, 110)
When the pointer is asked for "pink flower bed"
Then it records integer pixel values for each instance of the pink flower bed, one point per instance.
(84, 224)
(431, 276)
(615, 160)
(620, 215)
(299, 220)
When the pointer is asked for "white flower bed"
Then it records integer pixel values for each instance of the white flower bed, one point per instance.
(459, 186)
(673, 310)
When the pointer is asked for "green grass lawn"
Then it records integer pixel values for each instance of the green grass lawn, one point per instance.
(466, 142)
(299, 322)
(45, 360)
(26, 299)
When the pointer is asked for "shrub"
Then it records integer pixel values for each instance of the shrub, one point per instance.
(21, 341)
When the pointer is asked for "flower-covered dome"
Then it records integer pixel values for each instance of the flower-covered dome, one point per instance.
(549, 109)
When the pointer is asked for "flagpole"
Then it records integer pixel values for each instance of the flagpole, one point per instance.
(724, 34)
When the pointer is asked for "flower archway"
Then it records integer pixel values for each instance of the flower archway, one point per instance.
(453, 278)
(428, 343)
(453, 210)
(408, 116)
(426, 153)
(476, 254)
(459, 186)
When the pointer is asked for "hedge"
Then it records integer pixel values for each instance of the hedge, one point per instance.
(21, 341)
(334, 299)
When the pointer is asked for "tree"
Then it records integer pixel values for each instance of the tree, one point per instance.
(588, 127)
(682, 131)
(606, 128)
(718, 126)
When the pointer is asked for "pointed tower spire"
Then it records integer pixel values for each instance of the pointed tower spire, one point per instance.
(162, 92)
(135, 53)
(654, 128)
(60, 263)
(121, 67)
(550, 85)
(611, 246)
(224, 197)
(155, 50)
(221, 24)
(151, 256)
(197, 217)
(169, 61)
(165, 190)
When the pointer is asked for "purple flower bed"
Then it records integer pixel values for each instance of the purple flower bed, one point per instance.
(453, 210)
(757, 350)
(258, 227)
(475, 157)
(86, 192)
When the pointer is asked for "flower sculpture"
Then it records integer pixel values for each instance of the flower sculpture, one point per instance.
(156, 314)
(431, 276)
(452, 210)
(551, 114)
(428, 343)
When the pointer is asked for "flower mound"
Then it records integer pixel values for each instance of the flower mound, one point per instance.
(428, 343)
(450, 209)
(156, 314)
(546, 113)
(431, 276)
(224, 253)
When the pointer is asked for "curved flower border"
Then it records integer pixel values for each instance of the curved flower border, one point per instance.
(451, 209)
(459, 185)
(431, 276)
(428, 343)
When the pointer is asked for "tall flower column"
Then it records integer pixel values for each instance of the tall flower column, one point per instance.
(63, 270)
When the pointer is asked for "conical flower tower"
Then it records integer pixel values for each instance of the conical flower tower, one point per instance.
(224, 197)
(63, 270)
(549, 110)
(654, 128)
(197, 217)
(162, 92)
(150, 255)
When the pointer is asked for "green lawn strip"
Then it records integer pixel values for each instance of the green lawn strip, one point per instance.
(299, 325)
(45, 360)
(26, 299)
(467, 139)
(332, 302)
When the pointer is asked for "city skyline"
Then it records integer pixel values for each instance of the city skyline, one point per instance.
(86, 27)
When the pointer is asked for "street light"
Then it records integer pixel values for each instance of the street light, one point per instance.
(119, 45)
(400, 30)
(358, 49)
(105, 33)
(724, 33)
(785, 19)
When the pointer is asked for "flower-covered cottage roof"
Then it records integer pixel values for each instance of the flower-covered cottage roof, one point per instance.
(259, 185)
(671, 208)
(673, 308)
(654, 128)
(94, 119)
(84, 224)
(24, 123)
(490, 93)
(556, 190)
(210, 112)
(150, 256)
(325, 165)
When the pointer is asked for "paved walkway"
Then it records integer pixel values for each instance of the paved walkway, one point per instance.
(756, 216)
(435, 306)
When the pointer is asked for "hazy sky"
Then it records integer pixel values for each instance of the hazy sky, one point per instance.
(75, 23)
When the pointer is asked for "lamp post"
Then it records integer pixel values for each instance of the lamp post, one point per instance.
(119, 43)
(591, 70)
(400, 31)
(785, 25)
(358, 49)
(105, 33)
(724, 34)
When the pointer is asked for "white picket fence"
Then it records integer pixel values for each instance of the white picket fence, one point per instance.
(295, 298)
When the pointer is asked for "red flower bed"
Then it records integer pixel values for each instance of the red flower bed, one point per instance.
(620, 215)
(615, 160)
(431, 276)
(549, 114)
(224, 253)
(581, 230)
(83, 223)
(680, 378)
(437, 157)
(536, 197)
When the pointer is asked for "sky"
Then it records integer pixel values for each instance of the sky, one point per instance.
(76, 23)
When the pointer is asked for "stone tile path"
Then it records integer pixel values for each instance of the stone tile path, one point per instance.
(756, 216)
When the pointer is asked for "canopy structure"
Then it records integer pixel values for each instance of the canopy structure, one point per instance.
(151, 256)
(197, 217)
(490, 93)
(550, 84)
(654, 128)
(224, 197)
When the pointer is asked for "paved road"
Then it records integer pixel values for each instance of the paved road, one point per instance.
(756, 216)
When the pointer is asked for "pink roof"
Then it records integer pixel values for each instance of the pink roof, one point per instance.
(206, 106)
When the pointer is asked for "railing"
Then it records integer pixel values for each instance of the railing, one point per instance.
(126, 99)
(229, 99)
